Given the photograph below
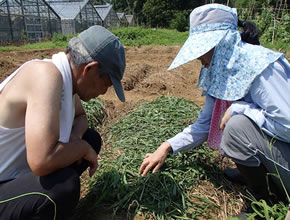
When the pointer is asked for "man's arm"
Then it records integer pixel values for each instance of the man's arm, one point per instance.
(80, 124)
(45, 153)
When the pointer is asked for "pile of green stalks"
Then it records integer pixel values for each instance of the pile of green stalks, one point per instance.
(95, 112)
(118, 187)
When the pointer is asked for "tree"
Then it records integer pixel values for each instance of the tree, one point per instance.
(138, 11)
(180, 22)
(157, 13)
(120, 5)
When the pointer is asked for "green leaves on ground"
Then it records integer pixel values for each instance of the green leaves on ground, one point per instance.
(263, 211)
(164, 195)
(95, 112)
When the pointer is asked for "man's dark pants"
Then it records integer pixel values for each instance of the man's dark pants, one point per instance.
(51, 197)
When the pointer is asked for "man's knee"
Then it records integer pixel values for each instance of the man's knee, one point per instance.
(45, 197)
(62, 186)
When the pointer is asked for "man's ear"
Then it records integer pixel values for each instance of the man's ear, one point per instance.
(93, 64)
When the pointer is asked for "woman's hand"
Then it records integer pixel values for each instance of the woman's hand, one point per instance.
(155, 160)
(225, 119)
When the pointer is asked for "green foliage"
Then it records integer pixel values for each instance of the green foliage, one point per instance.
(60, 40)
(154, 118)
(137, 36)
(165, 194)
(157, 13)
(23, 36)
(278, 31)
(263, 211)
(274, 31)
(130, 36)
(274, 28)
(29, 46)
(264, 20)
(120, 5)
(154, 13)
(253, 3)
(180, 21)
(95, 112)
(57, 41)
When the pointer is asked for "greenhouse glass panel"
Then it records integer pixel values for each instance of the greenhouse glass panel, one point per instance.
(30, 20)
(108, 15)
(75, 15)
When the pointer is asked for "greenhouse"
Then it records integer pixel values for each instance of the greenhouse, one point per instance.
(131, 20)
(31, 20)
(108, 15)
(76, 15)
(123, 20)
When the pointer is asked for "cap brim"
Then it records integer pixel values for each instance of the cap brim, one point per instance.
(118, 89)
(196, 45)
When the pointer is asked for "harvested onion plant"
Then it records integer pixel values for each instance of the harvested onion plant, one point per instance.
(118, 187)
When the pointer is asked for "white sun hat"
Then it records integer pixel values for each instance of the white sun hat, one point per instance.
(208, 25)
(234, 64)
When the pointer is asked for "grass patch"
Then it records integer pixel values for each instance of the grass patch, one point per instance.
(130, 36)
(58, 41)
(32, 46)
(277, 46)
(137, 36)
(118, 187)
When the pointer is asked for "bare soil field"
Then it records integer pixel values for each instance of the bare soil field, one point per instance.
(146, 78)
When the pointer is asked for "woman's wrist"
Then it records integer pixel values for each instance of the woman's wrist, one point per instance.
(166, 146)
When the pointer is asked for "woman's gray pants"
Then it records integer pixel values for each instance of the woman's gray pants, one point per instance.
(247, 145)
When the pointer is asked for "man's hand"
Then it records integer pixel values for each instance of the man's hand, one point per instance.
(155, 160)
(225, 119)
(91, 155)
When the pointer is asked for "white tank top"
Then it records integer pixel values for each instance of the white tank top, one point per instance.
(13, 162)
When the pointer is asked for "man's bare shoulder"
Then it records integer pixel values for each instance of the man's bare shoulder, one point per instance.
(40, 75)
(36, 81)
(41, 69)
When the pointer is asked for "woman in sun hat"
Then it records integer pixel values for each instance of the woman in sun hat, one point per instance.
(247, 89)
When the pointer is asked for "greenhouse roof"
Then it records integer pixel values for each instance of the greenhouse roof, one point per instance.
(129, 18)
(67, 9)
(103, 10)
(121, 15)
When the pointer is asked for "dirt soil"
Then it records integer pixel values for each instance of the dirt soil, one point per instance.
(146, 77)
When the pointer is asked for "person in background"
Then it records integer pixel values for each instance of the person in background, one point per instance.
(45, 142)
(246, 111)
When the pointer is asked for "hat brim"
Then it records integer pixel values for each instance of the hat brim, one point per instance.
(196, 45)
(118, 89)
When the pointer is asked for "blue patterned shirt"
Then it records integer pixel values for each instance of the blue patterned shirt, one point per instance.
(267, 103)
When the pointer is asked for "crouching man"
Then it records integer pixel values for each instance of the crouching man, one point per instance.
(45, 142)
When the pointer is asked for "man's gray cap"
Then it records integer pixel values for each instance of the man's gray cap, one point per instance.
(106, 48)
